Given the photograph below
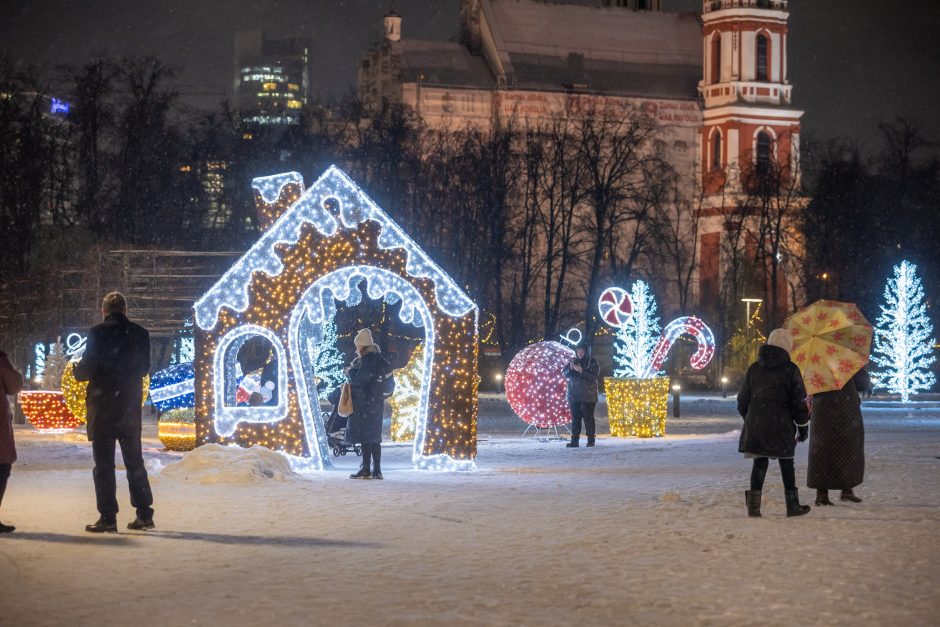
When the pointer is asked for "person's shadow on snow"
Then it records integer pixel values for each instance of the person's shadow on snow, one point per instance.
(131, 539)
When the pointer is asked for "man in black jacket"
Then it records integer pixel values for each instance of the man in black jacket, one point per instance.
(581, 394)
(116, 358)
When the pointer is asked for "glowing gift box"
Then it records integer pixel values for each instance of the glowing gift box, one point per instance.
(637, 407)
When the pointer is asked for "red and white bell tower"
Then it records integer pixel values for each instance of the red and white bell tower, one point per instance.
(749, 126)
(748, 119)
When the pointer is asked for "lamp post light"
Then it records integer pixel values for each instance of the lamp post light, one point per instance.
(498, 377)
(676, 389)
(724, 387)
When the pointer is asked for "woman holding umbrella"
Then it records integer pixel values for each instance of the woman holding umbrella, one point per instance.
(831, 345)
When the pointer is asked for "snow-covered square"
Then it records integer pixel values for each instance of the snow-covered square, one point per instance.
(650, 531)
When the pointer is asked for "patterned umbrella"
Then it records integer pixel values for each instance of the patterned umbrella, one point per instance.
(831, 342)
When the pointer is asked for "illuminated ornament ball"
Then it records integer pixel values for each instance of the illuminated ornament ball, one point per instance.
(535, 387)
(177, 429)
(46, 410)
(615, 307)
(74, 391)
(173, 388)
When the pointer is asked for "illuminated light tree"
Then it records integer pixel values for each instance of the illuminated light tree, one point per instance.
(406, 400)
(903, 348)
(329, 362)
(54, 365)
(637, 339)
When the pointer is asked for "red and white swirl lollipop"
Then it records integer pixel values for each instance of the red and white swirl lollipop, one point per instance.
(615, 307)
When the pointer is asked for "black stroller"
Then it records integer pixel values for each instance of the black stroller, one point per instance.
(336, 428)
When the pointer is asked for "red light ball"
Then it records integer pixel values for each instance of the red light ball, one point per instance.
(535, 387)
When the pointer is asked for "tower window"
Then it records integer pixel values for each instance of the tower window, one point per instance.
(716, 151)
(716, 58)
(763, 47)
(764, 152)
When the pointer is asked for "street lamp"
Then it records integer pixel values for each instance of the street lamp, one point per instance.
(724, 387)
(676, 389)
(498, 377)
(825, 279)
(747, 324)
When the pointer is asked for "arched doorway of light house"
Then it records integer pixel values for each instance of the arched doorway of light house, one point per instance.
(329, 315)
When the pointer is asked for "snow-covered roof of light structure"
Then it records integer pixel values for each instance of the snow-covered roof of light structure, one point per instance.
(354, 207)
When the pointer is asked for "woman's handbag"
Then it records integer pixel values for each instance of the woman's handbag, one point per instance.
(345, 406)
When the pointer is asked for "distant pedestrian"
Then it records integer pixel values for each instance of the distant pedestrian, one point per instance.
(370, 377)
(772, 402)
(116, 358)
(581, 373)
(837, 441)
(11, 382)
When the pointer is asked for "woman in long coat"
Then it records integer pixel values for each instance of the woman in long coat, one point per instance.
(11, 382)
(837, 441)
(366, 376)
(773, 403)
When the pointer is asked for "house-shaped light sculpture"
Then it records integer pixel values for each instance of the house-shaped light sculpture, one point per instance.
(318, 245)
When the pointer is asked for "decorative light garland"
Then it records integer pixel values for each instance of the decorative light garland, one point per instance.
(535, 387)
(406, 401)
(46, 410)
(686, 325)
(322, 243)
(637, 407)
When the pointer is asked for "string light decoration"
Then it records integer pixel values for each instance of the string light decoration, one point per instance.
(46, 411)
(637, 396)
(637, 407)
(173, 388)
(322, 243)
(407, 397)
(177, 429)
(535, 387)
(329, 363)
(903, 348)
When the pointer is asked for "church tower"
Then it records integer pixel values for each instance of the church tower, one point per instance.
(750, 137)
(749, 124)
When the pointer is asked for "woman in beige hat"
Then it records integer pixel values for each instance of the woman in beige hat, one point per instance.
(368, 376)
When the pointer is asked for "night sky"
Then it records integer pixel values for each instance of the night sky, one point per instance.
(853, 63)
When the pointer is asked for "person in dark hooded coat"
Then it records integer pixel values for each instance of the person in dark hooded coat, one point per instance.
(11, 382)
(581, 373)
(366, 376)
(772, 401)
(837, 441)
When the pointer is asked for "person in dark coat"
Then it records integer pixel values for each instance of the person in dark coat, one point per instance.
(366, 376)
(581, 373)
(772, 401)
(11, 382)
(837, 441)
(116, 358)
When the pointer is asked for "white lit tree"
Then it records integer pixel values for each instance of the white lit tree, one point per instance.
(903, 348)
(55, 362)
(636, 340)
(329, 361)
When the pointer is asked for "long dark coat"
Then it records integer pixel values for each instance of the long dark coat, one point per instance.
(116, 359)
(772, 401)
(365, 379)
(11, 382)
(837, 437)
(582, 386)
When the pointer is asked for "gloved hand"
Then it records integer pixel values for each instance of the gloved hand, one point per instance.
(802, 434)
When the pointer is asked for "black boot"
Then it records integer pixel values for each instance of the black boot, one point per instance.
(102, 526)
(7, 528)
(793, 504)
(362, 474)
(822, 498)
(849, 495)
(590, 440)
(574, 443)
(752, 499)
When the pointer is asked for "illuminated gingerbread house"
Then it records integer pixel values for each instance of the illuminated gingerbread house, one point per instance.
(318, 245)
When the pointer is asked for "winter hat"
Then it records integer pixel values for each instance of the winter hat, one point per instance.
(781, 338)
(364, 338)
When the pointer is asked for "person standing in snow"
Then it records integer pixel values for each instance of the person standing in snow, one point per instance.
(837, 441)
(772, 402)
(581, 373)
(116, 359)
(367, 376)
(11, 382)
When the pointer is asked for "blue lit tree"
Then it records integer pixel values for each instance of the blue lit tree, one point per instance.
(636, 340)
(329, 361)
(903, 348)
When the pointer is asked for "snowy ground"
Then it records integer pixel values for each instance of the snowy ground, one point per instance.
(631, 532)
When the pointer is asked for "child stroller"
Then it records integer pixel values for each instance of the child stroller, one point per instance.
(336, 428)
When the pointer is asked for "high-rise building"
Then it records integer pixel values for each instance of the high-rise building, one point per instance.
(271, 78)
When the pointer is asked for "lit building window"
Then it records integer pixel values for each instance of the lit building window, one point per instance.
(269, 86)
(294, 104)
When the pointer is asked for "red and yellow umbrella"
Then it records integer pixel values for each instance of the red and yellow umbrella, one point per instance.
(831, 342)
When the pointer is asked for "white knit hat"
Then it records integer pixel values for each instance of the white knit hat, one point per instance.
(363, 338)
(781, 338)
